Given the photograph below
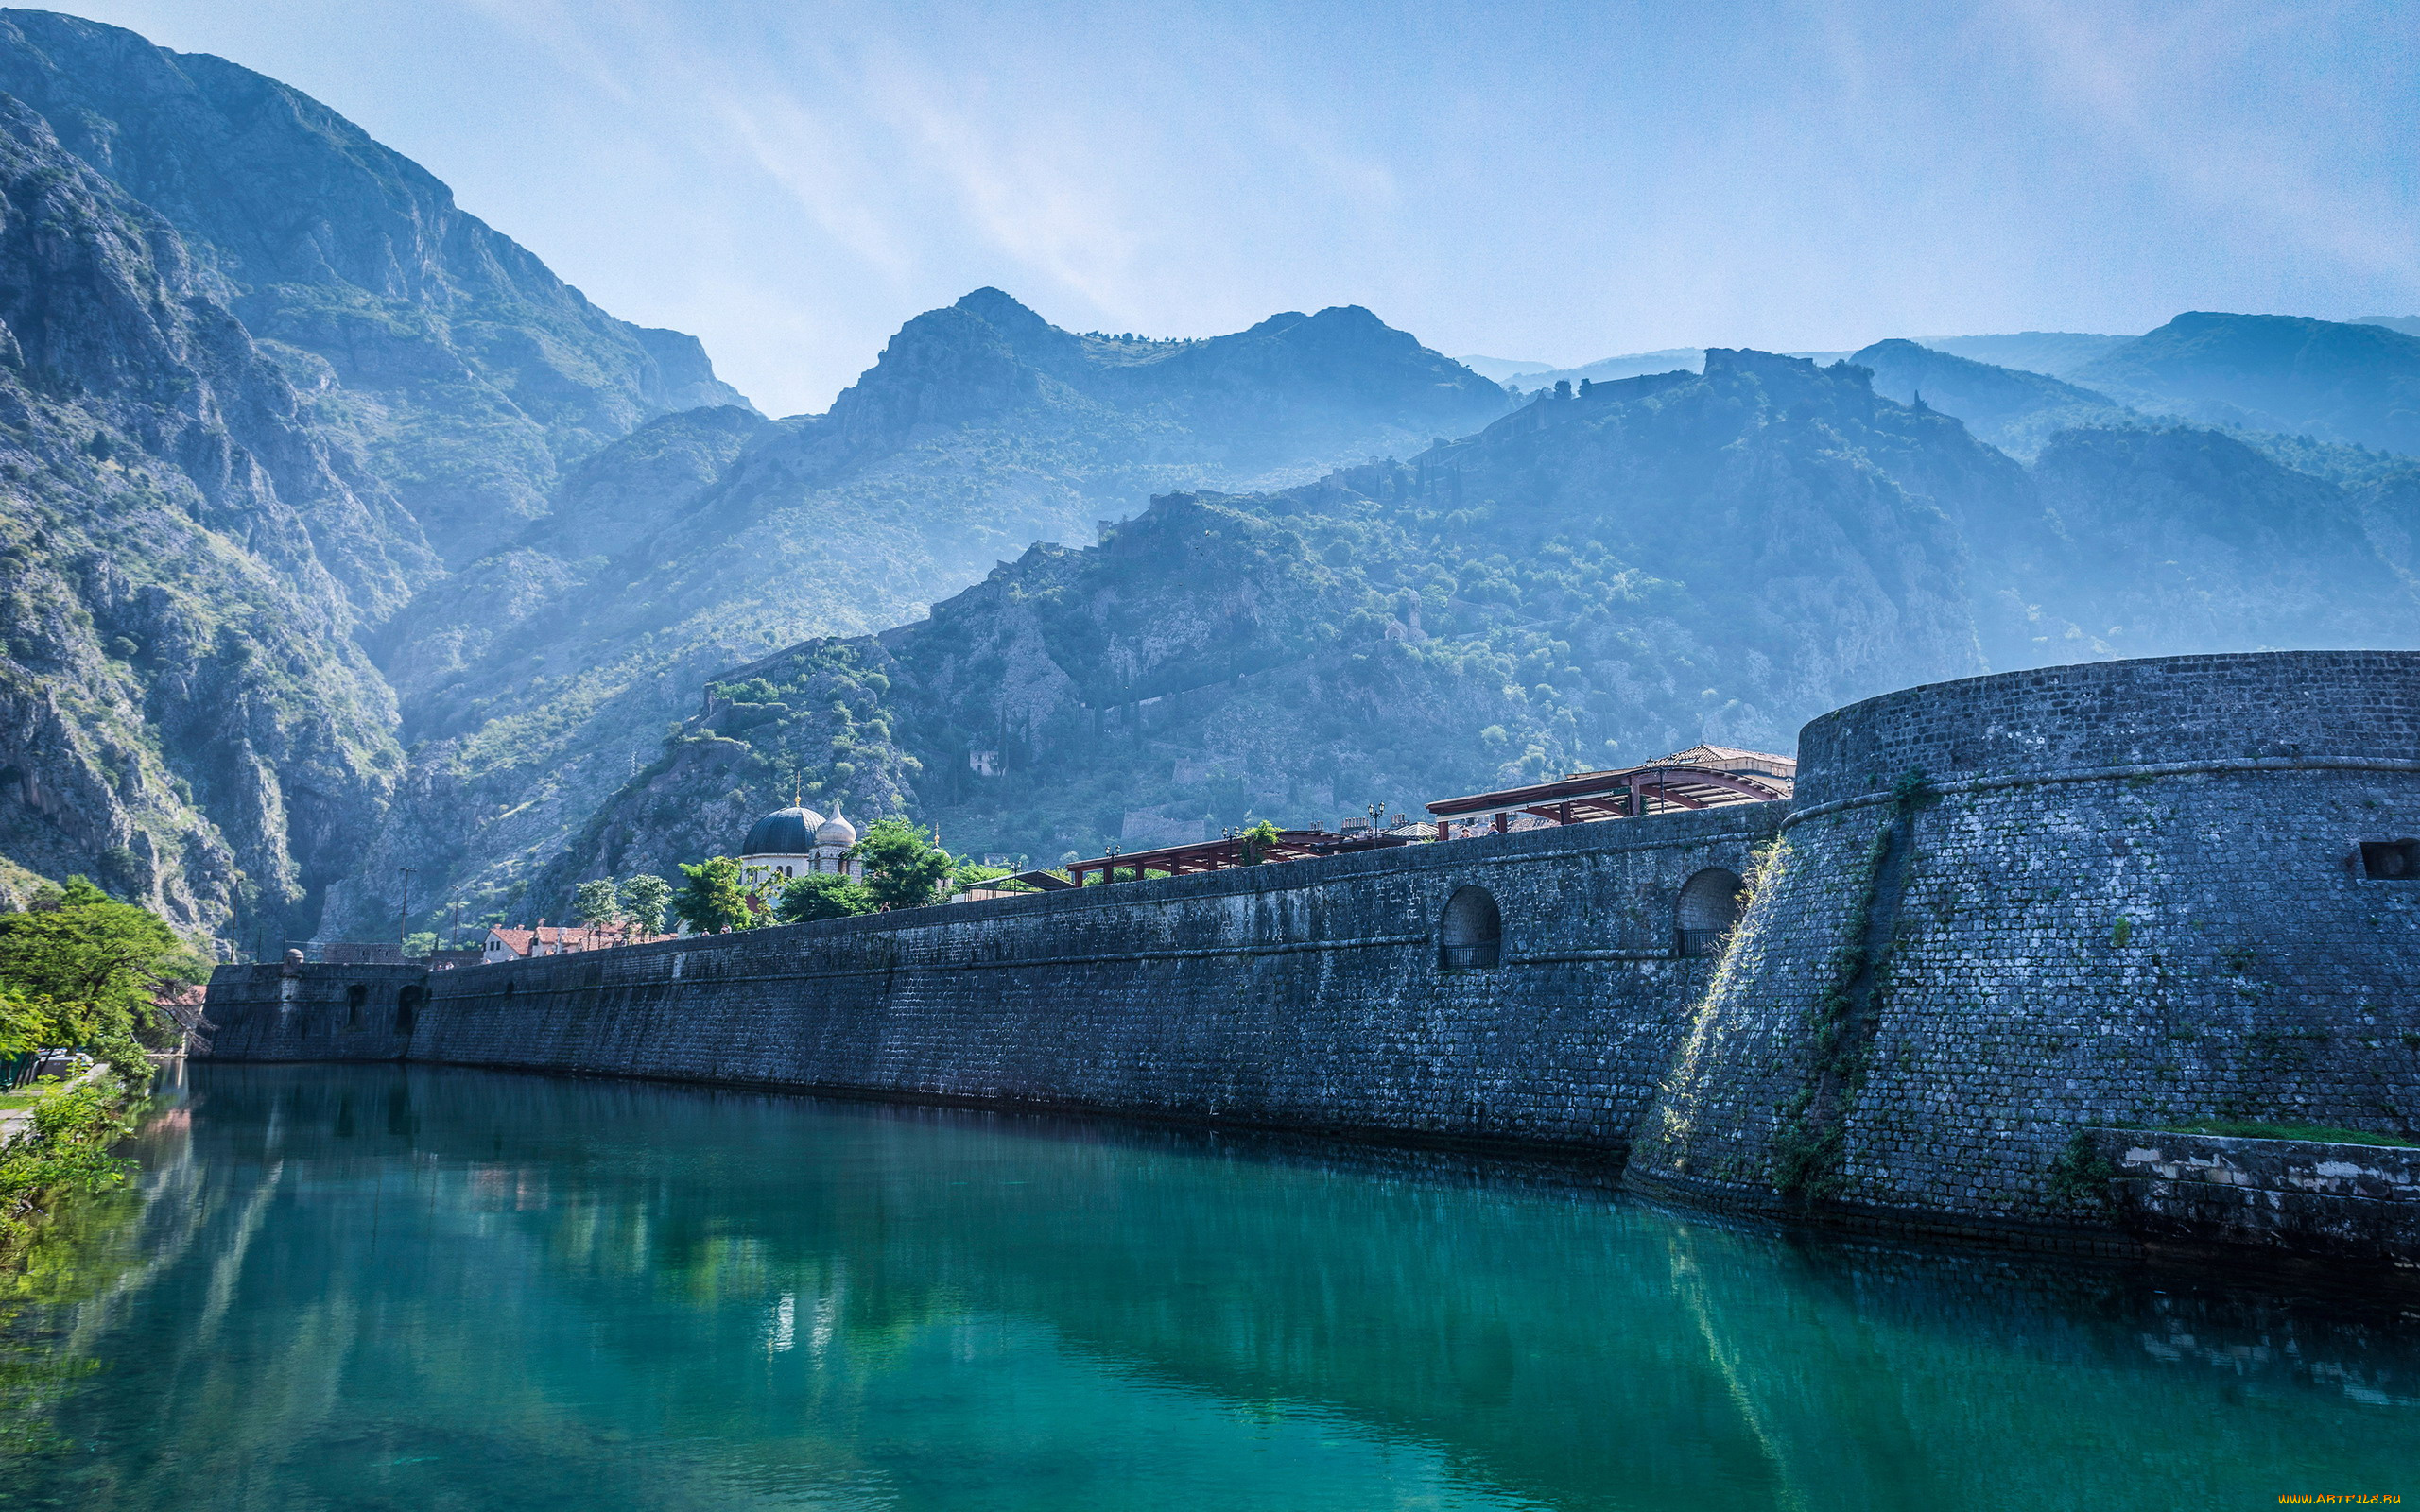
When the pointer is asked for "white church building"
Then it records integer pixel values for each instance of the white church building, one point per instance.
(797, 842)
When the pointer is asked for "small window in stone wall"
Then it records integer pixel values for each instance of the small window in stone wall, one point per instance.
(407, 1008)
(1707, 912)
(1471, 934)
(2391, 860)
(355, 996)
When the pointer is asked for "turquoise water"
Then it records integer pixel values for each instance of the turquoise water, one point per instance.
(379, 1288)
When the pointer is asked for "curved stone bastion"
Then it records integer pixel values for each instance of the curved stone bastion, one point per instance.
(2002, 918)
(2007, 910)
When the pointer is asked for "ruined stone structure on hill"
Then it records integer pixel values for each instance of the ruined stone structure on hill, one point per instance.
(1997, 915)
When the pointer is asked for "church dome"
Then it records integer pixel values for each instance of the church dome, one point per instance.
(785, 833)
(837, 831)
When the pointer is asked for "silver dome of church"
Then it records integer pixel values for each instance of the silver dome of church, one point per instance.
(836, 831)
(783, 832)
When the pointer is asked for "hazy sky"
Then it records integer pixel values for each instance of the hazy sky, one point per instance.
(1557, 181)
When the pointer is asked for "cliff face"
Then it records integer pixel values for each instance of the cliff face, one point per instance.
(262, 380)
(464, 372)
(183, 563)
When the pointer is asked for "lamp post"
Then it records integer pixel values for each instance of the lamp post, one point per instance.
(403, 911)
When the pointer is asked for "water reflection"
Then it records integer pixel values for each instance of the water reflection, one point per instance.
(377, 1286)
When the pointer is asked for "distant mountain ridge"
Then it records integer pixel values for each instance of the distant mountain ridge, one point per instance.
(2357, 384)
(2056, 353)
(2015, 410)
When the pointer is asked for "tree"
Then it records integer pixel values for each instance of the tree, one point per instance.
(81, 969)
(822, 895)
(646, 899)
(27, 1024)
(713, 901)
(904, 868)
(973, 873)
(1256, 841)
(597, 903)
(419, 946)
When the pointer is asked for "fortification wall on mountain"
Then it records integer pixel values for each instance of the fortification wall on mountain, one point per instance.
(2129, 893)
(1309, 995)
(2002, 913)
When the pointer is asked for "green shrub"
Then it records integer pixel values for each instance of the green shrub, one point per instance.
(822, 895)
(68, 1150)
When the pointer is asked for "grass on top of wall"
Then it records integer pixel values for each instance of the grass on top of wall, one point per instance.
(2317, 1133)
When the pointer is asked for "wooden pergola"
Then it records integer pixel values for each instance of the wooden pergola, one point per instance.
(1215, 855)
(1703, 777)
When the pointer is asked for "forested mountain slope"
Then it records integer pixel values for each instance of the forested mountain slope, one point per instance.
(1590, 580)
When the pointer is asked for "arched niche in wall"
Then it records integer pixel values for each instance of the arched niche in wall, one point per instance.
(1471, 932)
(1708, 910)
(407, 1008)
(355, 996)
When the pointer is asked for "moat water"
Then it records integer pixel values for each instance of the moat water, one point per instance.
(352, 1288)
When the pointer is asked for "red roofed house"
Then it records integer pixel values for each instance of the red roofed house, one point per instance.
(505, 944)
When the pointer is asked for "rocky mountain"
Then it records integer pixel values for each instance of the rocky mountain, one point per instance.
(341, 537)
(2351, 383)
(262, 376)
(1591, 579)
(347, 538)
(183, 564)
(1666, 559)
(550, 668)
(464, 374)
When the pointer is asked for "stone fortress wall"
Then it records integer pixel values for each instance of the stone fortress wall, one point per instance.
(2000, 912)
(1309, 994)
(2127, 893)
